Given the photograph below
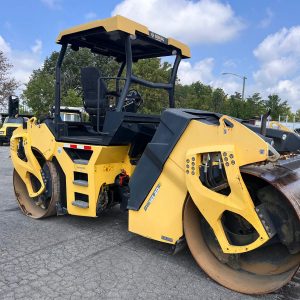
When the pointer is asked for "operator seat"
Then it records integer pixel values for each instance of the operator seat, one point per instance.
(89, 81)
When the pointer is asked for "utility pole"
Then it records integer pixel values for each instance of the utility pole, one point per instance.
(240, 76)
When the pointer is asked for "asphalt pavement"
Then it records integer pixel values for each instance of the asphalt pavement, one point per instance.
(71, 257)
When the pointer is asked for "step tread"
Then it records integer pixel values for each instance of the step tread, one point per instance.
(80, 182)
(80, 203)
(81, 161)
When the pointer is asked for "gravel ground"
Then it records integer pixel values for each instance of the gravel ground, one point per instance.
(71, 257)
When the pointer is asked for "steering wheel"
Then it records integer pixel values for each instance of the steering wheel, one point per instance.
(132, 101)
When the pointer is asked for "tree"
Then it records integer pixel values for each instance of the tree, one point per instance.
(152, 69)
(196, 95)
(218, 100)
(277, 106)
(235, 106)
(254, 107)
(39, 91)
(8, 85)
(297, 115)
(71, 98)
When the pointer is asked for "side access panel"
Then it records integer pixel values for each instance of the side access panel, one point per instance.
(157, 187)
(160, 216)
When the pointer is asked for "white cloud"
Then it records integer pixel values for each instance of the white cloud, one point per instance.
(230, 64)
(230, 85)
(90, 15)
(272, 70)
(4, 46)
(52, 4)
(279, 58)
(200, 71)
(37, 47)
(23, 61)
(280, 44)
(265, 22)
(288, 89)
(203, 71)
(197, 22)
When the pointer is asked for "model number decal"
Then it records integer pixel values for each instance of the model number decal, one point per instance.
(155, 192)
(158, 37)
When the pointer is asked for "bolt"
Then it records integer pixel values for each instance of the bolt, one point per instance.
(187, 166)
(226, 158)
(187, 171)
(193, 158)
(227, 164)
(232, 162)
(231, 155)
(193, 173)
(187, 160)
(193, 163)
(224, 153)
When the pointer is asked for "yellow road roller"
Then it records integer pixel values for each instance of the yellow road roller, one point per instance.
(9, 125)
(230, 189)
(12, 120)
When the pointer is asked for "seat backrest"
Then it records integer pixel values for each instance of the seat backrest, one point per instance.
(89, 81)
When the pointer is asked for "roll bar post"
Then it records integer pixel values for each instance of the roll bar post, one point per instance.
(128, 52)
(57, 118)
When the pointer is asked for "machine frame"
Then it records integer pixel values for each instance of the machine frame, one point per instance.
(11, 120)
(213, 179)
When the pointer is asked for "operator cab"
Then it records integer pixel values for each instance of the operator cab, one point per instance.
(113, 114)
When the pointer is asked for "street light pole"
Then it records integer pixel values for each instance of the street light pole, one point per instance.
(244, 81)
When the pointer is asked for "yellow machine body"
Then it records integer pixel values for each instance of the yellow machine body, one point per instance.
(104, 165)
(278, 125)
(5, 126)
(160, 216)
(4, 136)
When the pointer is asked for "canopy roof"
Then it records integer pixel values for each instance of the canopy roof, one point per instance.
(107, 37)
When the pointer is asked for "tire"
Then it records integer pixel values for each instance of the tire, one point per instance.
(45, 204)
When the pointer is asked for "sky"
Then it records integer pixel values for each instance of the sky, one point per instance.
(258, 39)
